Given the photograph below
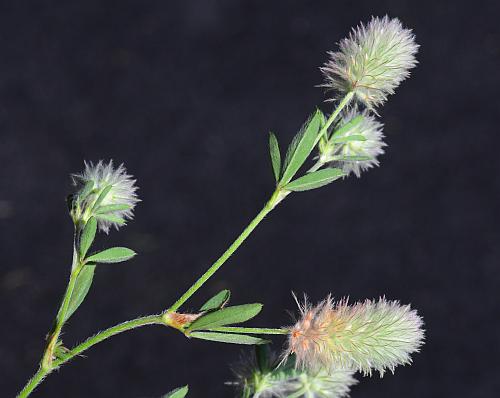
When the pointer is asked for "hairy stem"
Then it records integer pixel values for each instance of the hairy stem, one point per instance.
(91, 341)
(107, 333)
(225, 256)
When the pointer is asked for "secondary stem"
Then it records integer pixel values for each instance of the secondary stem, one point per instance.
(234, 246)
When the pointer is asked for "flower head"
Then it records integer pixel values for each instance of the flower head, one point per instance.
(366, 336)
(105, 192)
(283, 379)
(372, 61)
(356, 144)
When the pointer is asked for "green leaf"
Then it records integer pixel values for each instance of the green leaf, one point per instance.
(111, 218)
(110, 208)
(86, 190)
(180, 392)
(274, 149)
(226, 316)
(113, 255)
(217, 301)
(315, 179)
(301, 147)
(229, 338)
(348, 138)
(353, 158)
(101, 197)
(348, 126)
(87, 236)
(82, 286)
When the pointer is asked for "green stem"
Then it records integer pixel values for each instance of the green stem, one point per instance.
(334, 115)
(107, 333)
(61, 314)
(91, 341)
(33, 382)
(233, 329)
(225, 256)
(324, 129)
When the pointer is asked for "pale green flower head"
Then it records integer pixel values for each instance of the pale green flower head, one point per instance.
(284, 379)
(372, 61)
(356, 145)
(106, 193)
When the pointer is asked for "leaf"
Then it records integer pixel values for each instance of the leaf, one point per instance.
(217, 301)
(226, 316)
(110, 208)
(353, 158)
(86, 190)
(274, 150)
(111, 218)
(315, 179)
(82, 286)
(101, 197)
(229, 338)
(348, 126)
(87, 236)
(300, 147)
(113, 255)
(348, 138)
(180, 392)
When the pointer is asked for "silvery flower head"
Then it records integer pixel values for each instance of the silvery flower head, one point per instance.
(356, 144)
(372, 61)
(281, 380)
(106, 193)
(366, 336)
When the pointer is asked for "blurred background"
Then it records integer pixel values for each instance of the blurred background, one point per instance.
(184, 93)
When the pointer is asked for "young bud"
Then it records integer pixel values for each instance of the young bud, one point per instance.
(372, 61)
(106, 193)
(372, 335)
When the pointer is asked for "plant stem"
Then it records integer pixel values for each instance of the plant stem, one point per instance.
(233, 329)
(333, 116)
(225, 256)
(324, 129)
(91, 341)
(107, 333)
(33, 382)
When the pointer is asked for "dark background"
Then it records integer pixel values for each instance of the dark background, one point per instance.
(184, 94)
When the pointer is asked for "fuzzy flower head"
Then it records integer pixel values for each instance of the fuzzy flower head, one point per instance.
(356, 144)
(372, 61)
(282, 380)
(366, 336)
(106, 193)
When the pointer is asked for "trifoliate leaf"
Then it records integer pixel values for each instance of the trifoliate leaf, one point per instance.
(348, 126)
(315, 179)
(180, 392)
(217, 301)
(226, 316)
(301, 147)
(113, 255)
(82, 286)
(348, 138)
(274, 150)
(87, 236)
(229, 338)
